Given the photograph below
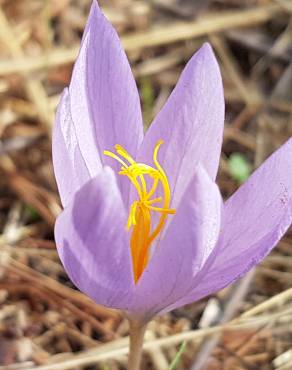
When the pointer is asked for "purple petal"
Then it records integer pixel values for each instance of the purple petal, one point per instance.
(255, 219)
(105, 103)
(93, 244)
(69, 166)
(190, 123)
(187, 244)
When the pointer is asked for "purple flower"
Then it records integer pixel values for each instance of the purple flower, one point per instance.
(144, 228)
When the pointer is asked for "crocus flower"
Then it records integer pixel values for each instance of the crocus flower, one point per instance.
(144, 228)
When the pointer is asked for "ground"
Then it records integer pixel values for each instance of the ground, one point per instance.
(45, 322)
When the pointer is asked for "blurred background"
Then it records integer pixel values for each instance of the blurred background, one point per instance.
(45, 323)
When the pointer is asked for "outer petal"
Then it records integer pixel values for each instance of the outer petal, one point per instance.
(70, 168)
(188, 242)
(92, 242)
(190, 123)
(255, 219)
(104, 98)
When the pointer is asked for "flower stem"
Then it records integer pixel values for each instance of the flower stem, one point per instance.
(137, 331)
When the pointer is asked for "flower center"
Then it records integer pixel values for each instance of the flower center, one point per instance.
(147, 180)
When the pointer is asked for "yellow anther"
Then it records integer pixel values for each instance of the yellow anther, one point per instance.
(123, 153)
(114, 156)
(143, 230)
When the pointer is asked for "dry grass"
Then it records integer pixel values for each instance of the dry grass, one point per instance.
(45, 323)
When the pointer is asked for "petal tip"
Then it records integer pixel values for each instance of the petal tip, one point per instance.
(94, 8)
(206, 59)
(207, 47)
(206, 51)
(95, 16)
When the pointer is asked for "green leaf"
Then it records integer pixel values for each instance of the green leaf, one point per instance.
(239, 167)
(32, 213)
(177, 358)
(148, 97)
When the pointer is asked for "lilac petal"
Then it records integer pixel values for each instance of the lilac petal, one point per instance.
(69, 166)
(105, 102)
(187, 244)
(255, 219)
(190, 123)
(93, 244)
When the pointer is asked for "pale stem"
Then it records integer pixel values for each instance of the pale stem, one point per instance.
(137, 331)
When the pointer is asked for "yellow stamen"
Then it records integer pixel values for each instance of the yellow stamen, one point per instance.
(114, 156)
(143, 230)
(155, 200)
